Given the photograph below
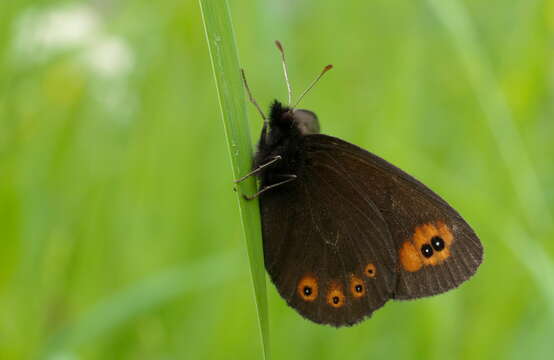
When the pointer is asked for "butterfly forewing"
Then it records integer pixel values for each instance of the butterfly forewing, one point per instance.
(433, 248)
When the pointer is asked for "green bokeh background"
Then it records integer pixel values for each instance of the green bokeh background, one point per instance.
(119, 227)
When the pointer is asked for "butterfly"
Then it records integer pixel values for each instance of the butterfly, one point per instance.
(345, 231)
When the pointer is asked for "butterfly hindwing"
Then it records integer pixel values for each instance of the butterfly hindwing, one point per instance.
(326, 247)
(434, 249)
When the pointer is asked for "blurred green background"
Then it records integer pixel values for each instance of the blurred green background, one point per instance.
(119, 227)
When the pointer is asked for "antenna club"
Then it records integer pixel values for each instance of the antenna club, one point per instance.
(327, 68)
(279, 46)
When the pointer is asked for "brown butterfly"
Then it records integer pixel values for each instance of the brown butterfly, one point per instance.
(344, 231)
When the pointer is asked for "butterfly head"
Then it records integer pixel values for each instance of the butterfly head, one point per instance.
(285, 121)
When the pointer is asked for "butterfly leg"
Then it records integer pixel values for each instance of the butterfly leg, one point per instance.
(264, 189)
(258, 169)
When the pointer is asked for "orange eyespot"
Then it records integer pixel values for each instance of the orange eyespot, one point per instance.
(429, 245)
(370, 271)
(335, 296)
(357, 287)
(307, 288)
(409, 257)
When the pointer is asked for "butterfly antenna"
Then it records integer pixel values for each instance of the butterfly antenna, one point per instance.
(250, 97)
(282, 51)
(325, 69)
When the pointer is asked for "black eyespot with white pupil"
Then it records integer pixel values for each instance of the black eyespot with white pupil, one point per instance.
(335, 299)
(307, 290)
(358, 288)
(438, 243)
(427, 250)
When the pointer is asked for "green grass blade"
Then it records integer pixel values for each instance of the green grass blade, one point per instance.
(221, 42)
